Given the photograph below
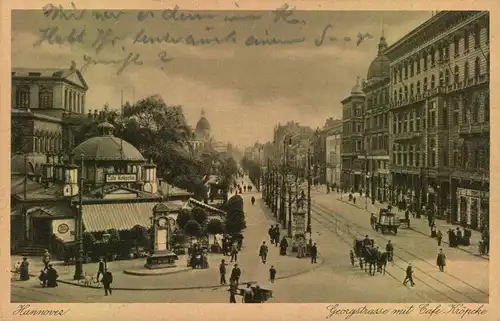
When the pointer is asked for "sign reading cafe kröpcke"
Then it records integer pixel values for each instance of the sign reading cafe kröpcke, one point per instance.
(121, 178)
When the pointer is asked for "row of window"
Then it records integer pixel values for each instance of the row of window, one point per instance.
(444, 80)
(45, 98)
(408, 69)
(414, 155)
(47, 144)
(376, 121)
(377, 98)
(380, 142)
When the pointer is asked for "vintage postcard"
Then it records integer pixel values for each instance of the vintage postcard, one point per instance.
(249, 153)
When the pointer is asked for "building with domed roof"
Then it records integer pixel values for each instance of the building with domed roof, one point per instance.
(352, 138)
(115, 184)
(376, 126)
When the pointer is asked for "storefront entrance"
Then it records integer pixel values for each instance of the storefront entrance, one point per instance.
(41, 231)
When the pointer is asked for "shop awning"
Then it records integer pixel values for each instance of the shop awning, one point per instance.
(120, 216)
(193, 202)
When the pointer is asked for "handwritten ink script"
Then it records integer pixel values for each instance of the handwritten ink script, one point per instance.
(27, 310)
(429, 310)
(124, 47)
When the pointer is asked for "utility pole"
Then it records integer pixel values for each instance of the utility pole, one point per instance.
(79, 263)
(309, 190)
(283, 187)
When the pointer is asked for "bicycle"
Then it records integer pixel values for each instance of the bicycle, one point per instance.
(89, 281)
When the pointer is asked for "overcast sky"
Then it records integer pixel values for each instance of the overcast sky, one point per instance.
(244, 90)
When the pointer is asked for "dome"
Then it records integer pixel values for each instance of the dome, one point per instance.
(356, 90)
(107, 148)
(203, 123)
(379, 68)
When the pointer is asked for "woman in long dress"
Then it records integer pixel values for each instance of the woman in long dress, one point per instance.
(24, 270)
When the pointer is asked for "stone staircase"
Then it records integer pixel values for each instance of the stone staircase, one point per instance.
(32, 250)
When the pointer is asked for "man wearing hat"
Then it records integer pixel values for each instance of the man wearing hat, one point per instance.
(107, 279)
(409, 275)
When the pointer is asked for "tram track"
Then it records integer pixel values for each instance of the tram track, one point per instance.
(331, 218)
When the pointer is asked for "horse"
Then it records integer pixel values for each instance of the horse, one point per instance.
(382, 262)
(371, 259)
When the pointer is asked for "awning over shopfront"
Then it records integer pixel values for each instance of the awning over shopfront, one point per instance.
(193, 202)
(50, 211)
(120, 216)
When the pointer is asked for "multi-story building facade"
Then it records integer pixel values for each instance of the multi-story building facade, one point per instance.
(352, 139)
(298, 147)
(439, 120)
(46, 104)
(281, 138)
(376, 129)
(333, 154)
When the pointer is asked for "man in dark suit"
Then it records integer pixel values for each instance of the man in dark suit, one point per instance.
(314, 253)
(222, 271)
(107, 279)
(409, 275)
(235, 274)
(101, 268)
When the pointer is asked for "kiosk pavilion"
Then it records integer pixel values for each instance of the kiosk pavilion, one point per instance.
(120, 189)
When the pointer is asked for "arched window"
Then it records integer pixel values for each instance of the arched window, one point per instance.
(35, 144)
(477, 36)
(456, 45)
(466, 40)
(46, 98)
(23, 97)
(465, 153)
(446, 77)
(466, 71)
(475, 112)
(418, 87)
(433, 81)
(432, 160)
(411, 90)
(400, 94)
(441, 79)
(477, 68)
(406, 92)
(395, 97)
(456, 75)
(425, 84)
(433, 57)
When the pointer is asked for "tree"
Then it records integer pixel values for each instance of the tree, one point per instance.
(140, 237)
(235, 220)
(199, 215)
(183, 217)
(214, 226)
(192, 229)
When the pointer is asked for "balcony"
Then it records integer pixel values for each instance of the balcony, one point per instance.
(407, 135)
(475, 81)
(474, 129)
(405, 169)
(476, 174)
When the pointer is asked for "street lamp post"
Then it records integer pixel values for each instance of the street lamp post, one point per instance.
(367, 177)
(79, 262)
(309, 191)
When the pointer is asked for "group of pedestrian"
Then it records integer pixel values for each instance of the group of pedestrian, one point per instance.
(274, 234)
(457, 237)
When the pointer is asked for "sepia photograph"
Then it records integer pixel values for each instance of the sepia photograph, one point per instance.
(241, 156)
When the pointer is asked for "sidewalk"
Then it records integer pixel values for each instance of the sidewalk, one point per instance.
(418, 225)
(184, 278)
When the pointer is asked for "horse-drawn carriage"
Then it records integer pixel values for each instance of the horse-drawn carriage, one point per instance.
(369, 256)
(258, 294)
(386, 222)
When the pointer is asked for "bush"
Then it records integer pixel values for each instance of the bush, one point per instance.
(199, 215)
(235, 203)
(183, 217)
(192, 228)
